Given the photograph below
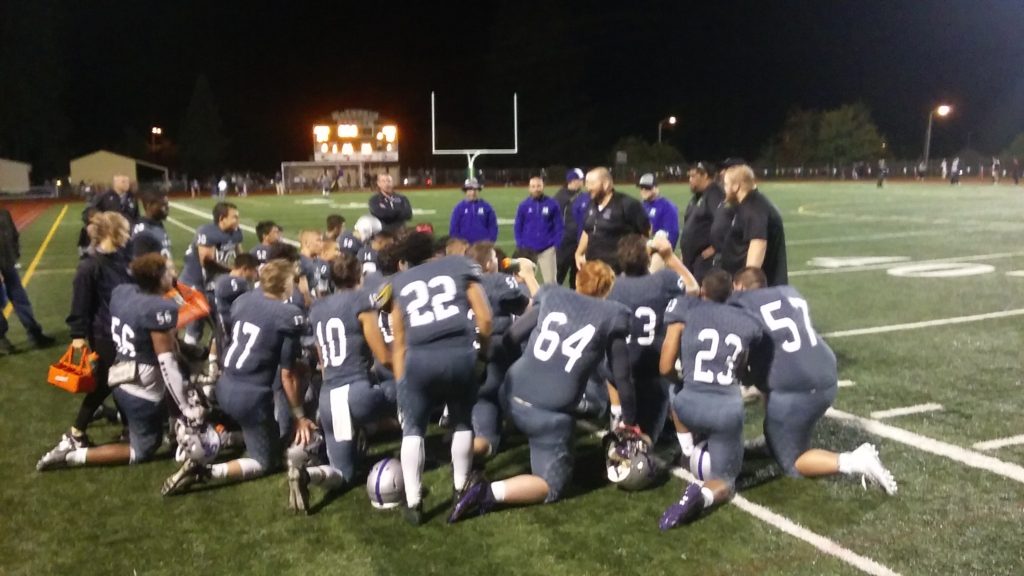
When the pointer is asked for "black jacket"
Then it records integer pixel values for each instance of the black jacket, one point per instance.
(392, 212)
(127, 206)
(10, 244)
(97, 276)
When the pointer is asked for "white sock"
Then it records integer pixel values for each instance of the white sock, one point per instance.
(219, 470)
(76, 457)
(326, 477)
(499, 490)
(412, 468)
(616, 410)
(847, 463)
(685, 442)
(462, 457)
(250, 468)
(709, 497)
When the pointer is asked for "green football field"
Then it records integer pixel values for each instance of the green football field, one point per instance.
(919, 289)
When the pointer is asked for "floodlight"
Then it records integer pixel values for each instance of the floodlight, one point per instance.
(390, 132)
(322, 133)
(347, 149)
(348, 131)
(366, 148)
(944, 110)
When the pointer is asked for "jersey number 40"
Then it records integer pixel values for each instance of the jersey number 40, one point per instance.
(572, 347)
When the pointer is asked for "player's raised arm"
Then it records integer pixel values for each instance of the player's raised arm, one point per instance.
(481, 313)
(670, 348)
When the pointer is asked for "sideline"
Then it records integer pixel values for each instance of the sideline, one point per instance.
(39, 256)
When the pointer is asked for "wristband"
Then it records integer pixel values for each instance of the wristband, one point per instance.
(298, 412)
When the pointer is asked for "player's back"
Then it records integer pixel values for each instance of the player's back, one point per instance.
(264, 333)
(570, 340)
(506, 297)
(715, 341)
(344, 353)
(800, 358)
(226, 290)
(155, 233)
(134, 315)
(433, 300)
(261, 252)
(347, 242)
(368, 257)
(647, 297)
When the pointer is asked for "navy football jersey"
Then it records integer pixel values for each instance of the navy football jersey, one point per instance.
(323, 285)
(344, 353)
(147, 235)
(715, 342)
(133, 315)
(647, 297)
(433, 300)
(264, 337)
(226, 290)
(349, 243)
(261, 252)
(799, 359)
(507, 298)
(571, 338)
(224, 245)
(368, 257)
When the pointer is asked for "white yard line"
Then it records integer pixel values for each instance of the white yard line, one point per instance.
(865, 238)
(930, 445)
(196, 212)
(1000, 443)
(906, 411)
(823, 544)
(974, 258)
(925, 324)
(780, 522)
(846, 383)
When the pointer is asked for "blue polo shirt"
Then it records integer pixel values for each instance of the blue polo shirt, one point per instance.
(538, 224)
(474, 221)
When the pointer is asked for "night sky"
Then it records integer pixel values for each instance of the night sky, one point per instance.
(586, 74)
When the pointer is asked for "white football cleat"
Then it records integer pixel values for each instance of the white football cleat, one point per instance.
(870, 467)
(57, 457)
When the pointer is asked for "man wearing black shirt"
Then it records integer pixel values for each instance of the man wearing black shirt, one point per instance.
(120, 198)
(611, 216)
(391, 208)
(756, 237)
(695, 238)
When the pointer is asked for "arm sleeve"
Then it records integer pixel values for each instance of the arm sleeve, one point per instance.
(556, 234)
(406, 210)
(672, 225)
(618, 360)
(492, 224)
(453, 224)
(520, 331)
(755, 225)
(83, 296)
(517, 226)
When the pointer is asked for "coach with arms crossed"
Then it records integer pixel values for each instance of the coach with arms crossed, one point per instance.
(756, 237)
(611, 216)
(391, 208)
(695, 241)
(538, 228)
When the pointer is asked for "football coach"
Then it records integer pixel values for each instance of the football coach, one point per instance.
(611, 215)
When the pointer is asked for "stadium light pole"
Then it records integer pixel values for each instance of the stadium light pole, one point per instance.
(942, 111)
(671, 121)
(154, 132)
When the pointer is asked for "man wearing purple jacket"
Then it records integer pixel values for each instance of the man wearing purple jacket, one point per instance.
(473, 219)
(538, 228)
(662, 213)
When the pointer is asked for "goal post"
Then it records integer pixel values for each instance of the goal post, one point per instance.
(472, 153)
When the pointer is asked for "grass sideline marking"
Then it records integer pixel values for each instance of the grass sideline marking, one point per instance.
(847, 383)
(195, 212)
(778, 521)
(925, 324)
(869, 267)
(933, 446)
(39, 256)
(916, 409)
(999, 443)
(823, 544)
